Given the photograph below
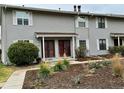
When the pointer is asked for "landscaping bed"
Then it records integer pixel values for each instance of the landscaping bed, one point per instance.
(100, 57)
(101, 79)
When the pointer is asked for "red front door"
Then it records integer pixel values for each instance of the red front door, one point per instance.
(64, 47)
(49, 48)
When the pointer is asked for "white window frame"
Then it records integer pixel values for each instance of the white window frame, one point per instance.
(106, 25)
(79, 19)
(30, 41)
(87, 43)
(30, 19)
(107, 44)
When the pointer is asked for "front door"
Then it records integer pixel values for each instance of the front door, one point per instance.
(49, 48)
(64, 47)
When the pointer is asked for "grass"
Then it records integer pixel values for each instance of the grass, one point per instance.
(5, 72)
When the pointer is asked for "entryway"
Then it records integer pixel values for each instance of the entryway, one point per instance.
(64, 47)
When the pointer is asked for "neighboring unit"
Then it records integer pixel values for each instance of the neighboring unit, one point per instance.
(56, 32)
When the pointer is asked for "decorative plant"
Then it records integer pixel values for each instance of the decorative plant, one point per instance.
(66, 63)
(117, 67)
(95, 65)
(77, 79)
(59, 66)
(80, 52)
(45, 70)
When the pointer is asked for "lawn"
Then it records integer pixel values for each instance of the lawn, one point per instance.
(5, 72)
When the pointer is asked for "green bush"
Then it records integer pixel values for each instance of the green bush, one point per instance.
(95, 65)
(106, 63)
(59, 66)
(80, 52)
(22, 53)
(116, 49)
(44, 70)
(66, 63)
(98, 65)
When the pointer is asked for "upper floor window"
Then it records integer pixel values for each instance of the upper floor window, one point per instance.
(22, 18)
(82, 21)
(101, 22)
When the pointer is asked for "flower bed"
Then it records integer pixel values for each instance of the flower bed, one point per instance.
(75, 77)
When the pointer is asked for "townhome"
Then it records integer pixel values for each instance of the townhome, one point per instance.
(56, 32)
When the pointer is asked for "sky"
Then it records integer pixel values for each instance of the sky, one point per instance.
(95, 8)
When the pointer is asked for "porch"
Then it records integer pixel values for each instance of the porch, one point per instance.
(55, 45)
(118, 39)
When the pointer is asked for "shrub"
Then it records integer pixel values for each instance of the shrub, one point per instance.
(66, 63)
(44, 70)
(117, 67)
(95, 65)
(106, 63)
(116, 49)
(59, 66)
(22, 53)
(80, 52)
(98, 65)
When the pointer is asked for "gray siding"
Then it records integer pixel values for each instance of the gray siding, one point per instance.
(53, 22)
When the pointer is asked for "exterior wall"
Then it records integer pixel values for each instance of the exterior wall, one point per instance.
(41, 23)
(114, 25)
(51, 22)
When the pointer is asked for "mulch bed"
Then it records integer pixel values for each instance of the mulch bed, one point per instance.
(101, 79)
(99, 57)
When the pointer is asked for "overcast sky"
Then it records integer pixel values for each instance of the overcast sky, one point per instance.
(97, 8)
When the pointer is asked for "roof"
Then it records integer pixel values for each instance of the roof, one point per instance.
(61, 11)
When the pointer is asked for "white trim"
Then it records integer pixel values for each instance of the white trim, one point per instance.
(96, 22)
(76, 22)
(30, 19)
(56, 48)
(106, 25)
(78, 19)
(30, 41)
(107, 44)
(87, 22)
(14, 17)
(15, 41)
(77, 42)
(48, 35)
(73, 46)
(43, 46)
(97, 42)
(87, 44)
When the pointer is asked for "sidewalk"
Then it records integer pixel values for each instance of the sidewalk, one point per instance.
(17, 78)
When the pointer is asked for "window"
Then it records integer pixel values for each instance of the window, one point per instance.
(82, 21)
(29, 41)
(22, 18)
(82, 43)
(101, 22)
(102, 44)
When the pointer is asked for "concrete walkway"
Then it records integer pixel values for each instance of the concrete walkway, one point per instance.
(16, 80)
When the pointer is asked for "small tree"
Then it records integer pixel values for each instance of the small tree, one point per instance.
(22, 53)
